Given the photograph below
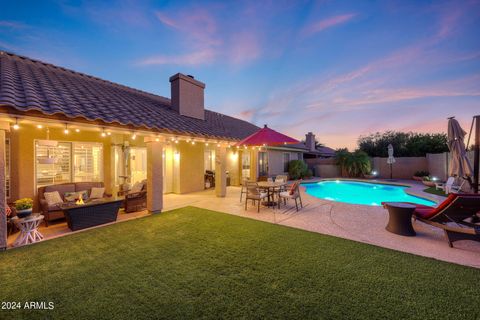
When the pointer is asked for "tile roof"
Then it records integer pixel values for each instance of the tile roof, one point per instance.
(27, 85)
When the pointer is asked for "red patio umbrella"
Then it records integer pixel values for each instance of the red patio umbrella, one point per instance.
(266, 137)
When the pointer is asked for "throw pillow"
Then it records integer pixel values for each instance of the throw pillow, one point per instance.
(70, 196)
(137, 187)
(83, 194)
(97, 193)
(53, 198)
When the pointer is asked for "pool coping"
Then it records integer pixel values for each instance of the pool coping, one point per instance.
(410, 188)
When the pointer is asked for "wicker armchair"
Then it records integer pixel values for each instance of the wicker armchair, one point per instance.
(136, 201)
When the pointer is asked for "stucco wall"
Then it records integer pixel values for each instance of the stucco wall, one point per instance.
(403, 168)
(275, 161)
(233, 166)
(190, 174)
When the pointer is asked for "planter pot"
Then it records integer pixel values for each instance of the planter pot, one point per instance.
(369, 176)
(429, 183)
(417, 178)
(24, 213)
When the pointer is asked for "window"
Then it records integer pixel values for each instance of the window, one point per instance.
(209, 160)
(286, 161)
(87, 162)
(138, 164)
(245, 165)
(7, 168)
(262, 164)
(62, 162)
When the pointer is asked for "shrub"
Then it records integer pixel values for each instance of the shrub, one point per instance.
(23, 204)
(354, 164)
(421, 173)
(297, 169)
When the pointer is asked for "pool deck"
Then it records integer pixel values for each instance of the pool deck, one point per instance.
(354, 222)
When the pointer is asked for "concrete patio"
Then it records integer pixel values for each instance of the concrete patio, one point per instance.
(355, 222)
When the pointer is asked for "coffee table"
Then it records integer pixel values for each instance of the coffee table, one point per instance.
(92, 213)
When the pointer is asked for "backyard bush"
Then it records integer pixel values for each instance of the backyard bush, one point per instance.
(297, 169)
(405, 144)
(353, 164)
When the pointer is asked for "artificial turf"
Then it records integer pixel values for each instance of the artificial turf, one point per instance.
(195, 263)
(434, 191)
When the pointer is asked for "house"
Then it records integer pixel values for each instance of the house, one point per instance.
(58, 126)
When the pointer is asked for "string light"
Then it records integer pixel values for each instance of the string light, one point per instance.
(134, 136)
(193, 141)
(66, 129)
(77, 130)
(16, 126)
(103, 132)
(109, 133)
(39, 126)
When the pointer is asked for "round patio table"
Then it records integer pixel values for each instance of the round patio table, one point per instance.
(270, 186)
(28, 229)
(400, 218)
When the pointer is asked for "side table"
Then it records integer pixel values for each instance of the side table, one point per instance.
(28, 229)
(400, 218)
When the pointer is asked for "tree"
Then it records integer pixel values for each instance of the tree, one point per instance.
(405, 144)
(353, 164)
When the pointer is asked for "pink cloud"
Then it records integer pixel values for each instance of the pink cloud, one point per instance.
(12, 24)
(244, 47)
(196, 58)
(322, 25)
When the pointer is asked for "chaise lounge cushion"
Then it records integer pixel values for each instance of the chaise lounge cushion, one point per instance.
(426, 212)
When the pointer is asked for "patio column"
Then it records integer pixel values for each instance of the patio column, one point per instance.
(220, 172)
(154, 175)
(3, 200)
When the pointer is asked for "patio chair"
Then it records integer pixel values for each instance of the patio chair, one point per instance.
(452, 216)
(449, 186)
(292, 193)
(243, 189)
(254, 194)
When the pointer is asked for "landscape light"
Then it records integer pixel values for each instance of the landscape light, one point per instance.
(374, 173)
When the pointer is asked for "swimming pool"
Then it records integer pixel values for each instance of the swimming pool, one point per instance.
(370, 194)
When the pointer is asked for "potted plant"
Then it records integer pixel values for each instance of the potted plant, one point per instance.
(419, 175)
(428, 181)
(24, 207)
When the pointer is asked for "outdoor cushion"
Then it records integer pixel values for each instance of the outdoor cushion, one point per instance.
(426, 212)
(70, 196)
(137, 187)
(97, 193)
(83, 194)
(52, 198)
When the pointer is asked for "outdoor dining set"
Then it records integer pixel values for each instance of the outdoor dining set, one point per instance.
(270, 192)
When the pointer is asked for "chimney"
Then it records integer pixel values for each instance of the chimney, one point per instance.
(187, 96)
(310, 141)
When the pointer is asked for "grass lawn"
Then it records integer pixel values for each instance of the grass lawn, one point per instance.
(195, 263)
(432, 190)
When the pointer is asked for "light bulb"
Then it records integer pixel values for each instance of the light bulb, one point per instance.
(109, 133)
(66, 131)
(39, 126)
(77, 130)
(16, 126)
(103, 134)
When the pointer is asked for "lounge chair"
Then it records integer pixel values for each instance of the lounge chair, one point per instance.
(449, 186)
(254, 194)
(452, 216)
(292, 193)
(243, 190)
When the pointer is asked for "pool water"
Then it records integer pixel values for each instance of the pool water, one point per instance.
(371, 194)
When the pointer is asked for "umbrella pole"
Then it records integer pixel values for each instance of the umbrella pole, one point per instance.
(391, 172)
(476, 155)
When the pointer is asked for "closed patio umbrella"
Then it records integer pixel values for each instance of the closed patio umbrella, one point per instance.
(460, 165)
(391, 159)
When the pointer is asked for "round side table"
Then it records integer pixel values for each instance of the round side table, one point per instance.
(400, 218)
(28, 229)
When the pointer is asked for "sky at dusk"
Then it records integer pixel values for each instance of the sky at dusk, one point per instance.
(337, 68)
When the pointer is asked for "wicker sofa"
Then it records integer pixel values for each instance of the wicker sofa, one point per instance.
(55, 212)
